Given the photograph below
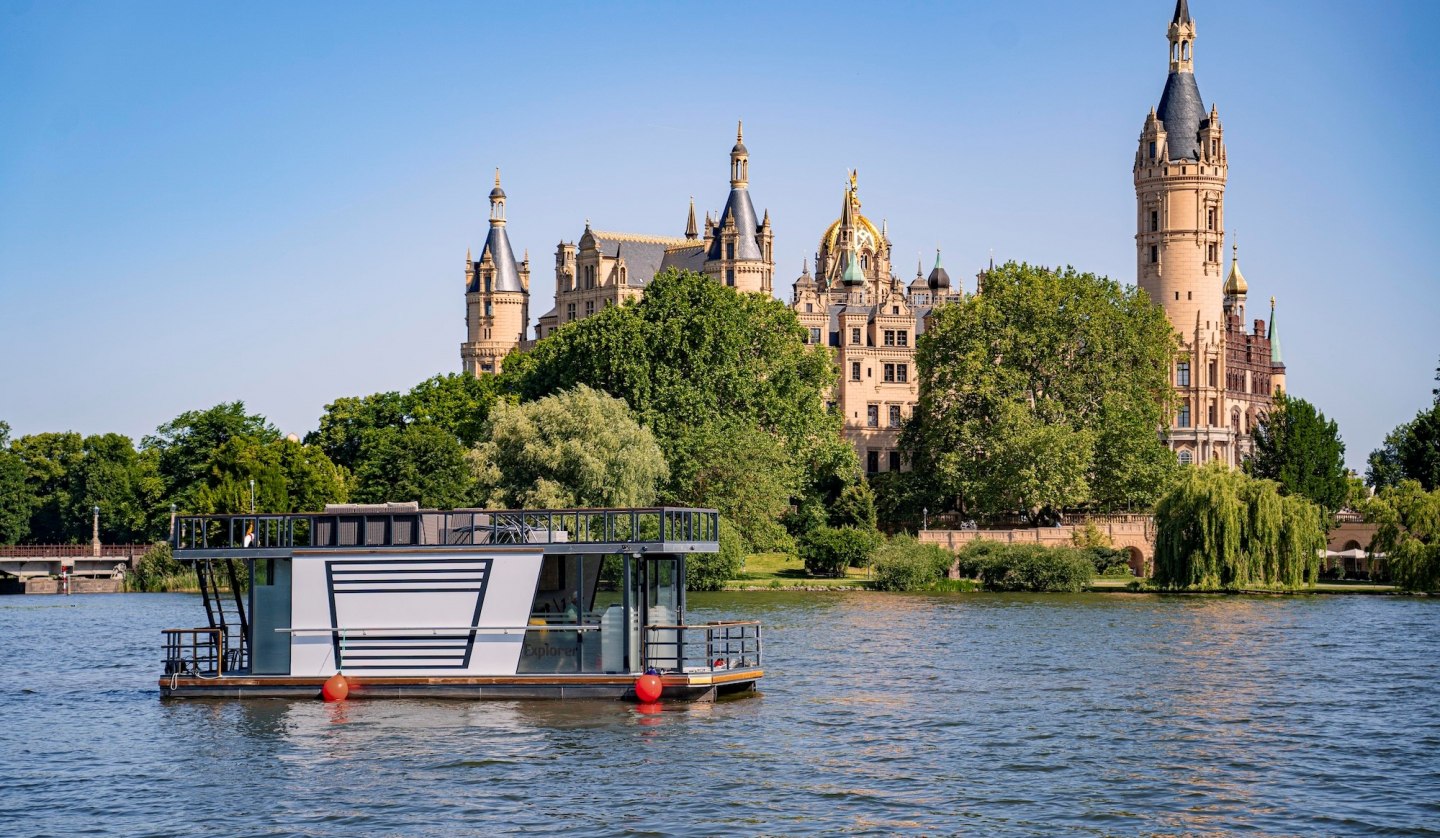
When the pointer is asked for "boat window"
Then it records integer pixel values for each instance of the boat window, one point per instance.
(562, 634)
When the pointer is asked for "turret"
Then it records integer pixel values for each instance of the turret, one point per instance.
(497, 298)
(738, 252)
(1277, 358)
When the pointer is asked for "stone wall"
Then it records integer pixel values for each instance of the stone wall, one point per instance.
(1133, 533)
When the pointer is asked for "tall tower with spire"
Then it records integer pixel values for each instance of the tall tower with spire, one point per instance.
(1179, 173)
(497, 296)
(740, 252)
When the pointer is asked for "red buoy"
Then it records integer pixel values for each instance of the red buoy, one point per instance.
(335, 688)
(648, 688)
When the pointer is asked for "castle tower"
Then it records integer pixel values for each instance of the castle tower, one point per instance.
(1179, 174)
(740, 252)
(497, 296)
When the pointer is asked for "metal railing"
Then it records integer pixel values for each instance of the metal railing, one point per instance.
(199, 533)
(73, 551)
(198, 651)
(711, 647)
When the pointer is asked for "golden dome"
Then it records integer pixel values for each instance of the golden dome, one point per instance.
(1235, 283)
(866, 235)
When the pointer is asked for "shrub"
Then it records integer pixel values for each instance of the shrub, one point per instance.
(158, 571)
(907, 565)
(1109, 562)
(827, 551)
(710, 571)
(1031, 567)
(972, 556)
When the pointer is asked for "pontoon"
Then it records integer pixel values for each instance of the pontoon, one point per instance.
(402, 601)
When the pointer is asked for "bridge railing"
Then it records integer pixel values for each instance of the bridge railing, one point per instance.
(72, 551)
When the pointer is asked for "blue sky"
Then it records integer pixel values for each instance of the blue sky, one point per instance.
(272, 201)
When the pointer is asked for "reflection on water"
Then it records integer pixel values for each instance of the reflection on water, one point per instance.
(882, 714)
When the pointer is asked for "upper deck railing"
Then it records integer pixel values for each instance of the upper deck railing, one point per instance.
(654, 529)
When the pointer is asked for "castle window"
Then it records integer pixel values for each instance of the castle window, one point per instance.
(894, 309)
(1214, 148)
(729, 251)
(1185, 458)
(872, 461)
(1212, 252)
(902, 373)
(1177, 295)
(889, 337)
(487, 283)
(809, 308)
(894, 415)
(1212, 414)
(1210, 220)
(488, 309)
(1183, 419)
(814, 336)
(872, 416)
(730, 278)
(1211, 378)
(889, 372)
(1152, 149)
(854, 335)
(864, 262)
(894, 460)
(854, 370)
(902, 338)
(1154, 254)
(569, 311)
(1182, 374)
(589, 307)
(1190, 295)
(1154, 221)
(487, 367)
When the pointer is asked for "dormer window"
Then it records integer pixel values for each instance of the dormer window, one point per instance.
(855, 335)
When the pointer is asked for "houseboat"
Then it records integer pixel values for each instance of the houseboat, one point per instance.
(402, 601)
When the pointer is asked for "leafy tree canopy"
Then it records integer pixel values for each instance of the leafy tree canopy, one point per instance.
(289, 477)
(1409, 534)
(1045, 391)
(694, 352)
(186, 444)
(421, 462)
(48, 459)
(576, 448)
(16, 499)
(1298, 448)
(1411, 451)
(1219, 529)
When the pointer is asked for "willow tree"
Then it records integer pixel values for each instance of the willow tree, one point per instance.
(1409, 534)
(1219, 529)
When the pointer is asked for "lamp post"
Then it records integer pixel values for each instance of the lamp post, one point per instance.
(95, 532)
(172, 523)
(252, 496)
(925, 518)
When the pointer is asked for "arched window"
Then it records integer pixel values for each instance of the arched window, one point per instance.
(1186, 458)
(864, 262)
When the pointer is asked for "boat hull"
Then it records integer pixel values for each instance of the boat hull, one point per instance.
(705, 686)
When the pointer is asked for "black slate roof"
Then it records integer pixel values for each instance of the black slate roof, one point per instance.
(1183, 112)
(739, 206)
(507, 275)
(644, 255)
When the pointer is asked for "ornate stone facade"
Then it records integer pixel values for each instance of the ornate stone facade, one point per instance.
(871, 321)
(1224, 377)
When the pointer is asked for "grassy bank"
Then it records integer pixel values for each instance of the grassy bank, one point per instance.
(781, 571)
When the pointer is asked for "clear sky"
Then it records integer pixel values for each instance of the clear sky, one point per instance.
(202, 202)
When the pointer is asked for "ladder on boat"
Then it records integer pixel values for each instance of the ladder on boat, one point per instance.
(226, 610)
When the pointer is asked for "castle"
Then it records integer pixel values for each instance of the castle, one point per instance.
(1224, 375)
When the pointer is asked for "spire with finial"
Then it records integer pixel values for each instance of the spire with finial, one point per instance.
(691, 231)
(1277, 358)
(1182, 39)
(497, 201)
(919, 264)
(1235, 284)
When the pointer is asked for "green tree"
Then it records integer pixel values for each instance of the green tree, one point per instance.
(740, 470)
(15, 497)
(186, 446)
(828, 551)
(421, 462)
(48, 459)
(351, 423)
(1411, 451)
(692, 349)
(1419, 449)
(124, 483)
(1384, 468)
(1298, 448)
(1219, 529)
(458, 402)
(577, 448)
(289, 477)
(1053, 378)
(1409, 534)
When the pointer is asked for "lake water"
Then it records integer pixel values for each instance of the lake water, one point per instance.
(880, 714)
